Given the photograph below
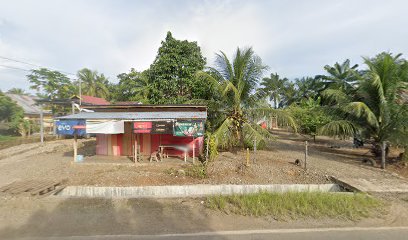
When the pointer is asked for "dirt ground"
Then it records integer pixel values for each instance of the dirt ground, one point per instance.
(54, 216)
(327, 157)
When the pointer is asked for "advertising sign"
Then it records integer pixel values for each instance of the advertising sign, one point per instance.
(142, 127)
(162, 127)
(71, 127)
(189, 128)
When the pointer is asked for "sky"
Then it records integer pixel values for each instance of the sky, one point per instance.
(294, 38)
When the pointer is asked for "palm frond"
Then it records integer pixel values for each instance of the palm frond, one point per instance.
(361, 110)
(253, 132)
(224, 135)
(341, 128)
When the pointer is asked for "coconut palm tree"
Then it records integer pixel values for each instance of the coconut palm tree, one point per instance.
(376, 108)
(236, 80)
(93, 84)
(274, 87)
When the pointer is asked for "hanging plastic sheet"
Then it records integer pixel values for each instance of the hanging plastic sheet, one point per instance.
(105, 127)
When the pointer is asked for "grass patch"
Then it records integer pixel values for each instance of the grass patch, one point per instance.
(5, 138)
(194, 171)
(296, 205)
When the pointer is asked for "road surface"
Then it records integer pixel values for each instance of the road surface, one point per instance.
(395, 233)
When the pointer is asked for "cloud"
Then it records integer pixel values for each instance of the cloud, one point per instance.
(295, 38)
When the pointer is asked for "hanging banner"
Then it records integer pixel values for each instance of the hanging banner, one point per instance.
(71, 127)
(105, 127)
(142, 127)
(189, 128)
(162, 127)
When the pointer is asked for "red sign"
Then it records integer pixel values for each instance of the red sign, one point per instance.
(142, 127)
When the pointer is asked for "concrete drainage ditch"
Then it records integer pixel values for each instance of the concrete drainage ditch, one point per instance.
(190, 190)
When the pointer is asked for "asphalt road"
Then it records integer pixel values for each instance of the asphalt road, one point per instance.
(395, 233)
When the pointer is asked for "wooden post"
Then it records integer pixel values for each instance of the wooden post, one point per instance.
(135, 147)
(306, 153)
(73, 107)
(254, 150)
(247, 157)
(75, 147)
(383, 147)
(193, 151)
(41, 124)
(208, 146)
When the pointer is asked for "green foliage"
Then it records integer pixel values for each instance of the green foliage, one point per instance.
(172, 72)
(93, 83)
(295, 205)
(18, 91)
(51, 84)
(309, 116)
(276, 89)
(374, 105)
(212, 146)
(133, 86)
(12, 114)
(236, 80)
(197, 171)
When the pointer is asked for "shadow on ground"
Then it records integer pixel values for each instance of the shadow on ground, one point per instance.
(87, 217)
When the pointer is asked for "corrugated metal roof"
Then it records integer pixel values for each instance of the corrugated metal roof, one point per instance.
(26, 102)
(137, 115)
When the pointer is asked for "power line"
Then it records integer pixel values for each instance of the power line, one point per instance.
(16, 68)
(32, 64)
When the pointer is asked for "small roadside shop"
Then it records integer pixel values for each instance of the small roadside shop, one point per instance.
(140, 133)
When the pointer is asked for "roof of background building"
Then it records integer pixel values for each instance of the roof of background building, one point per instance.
(26, 102)
(136, 115)
(93, 100)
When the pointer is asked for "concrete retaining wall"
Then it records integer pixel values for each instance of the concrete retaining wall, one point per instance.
(189, 190)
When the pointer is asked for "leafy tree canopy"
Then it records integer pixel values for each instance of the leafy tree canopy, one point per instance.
(93, 83)
(172, 72)
(51, 84)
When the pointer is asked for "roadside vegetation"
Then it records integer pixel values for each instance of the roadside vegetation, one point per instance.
(295, 205)
(367, 103)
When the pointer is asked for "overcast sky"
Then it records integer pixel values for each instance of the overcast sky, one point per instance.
(294, 38)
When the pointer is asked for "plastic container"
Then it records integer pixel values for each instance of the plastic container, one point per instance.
(79, 158)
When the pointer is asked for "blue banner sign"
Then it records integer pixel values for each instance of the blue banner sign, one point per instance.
(71, 127)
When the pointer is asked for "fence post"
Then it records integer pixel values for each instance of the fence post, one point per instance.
(254, 150)
(306, 153)
(247, 157)
(206, 153)
(383, 147)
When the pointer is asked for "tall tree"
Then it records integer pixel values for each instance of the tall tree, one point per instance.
(376, 108)
(51, 84)
(274, 87)
(341, 76)
(237, 80)
(172, 72)
(93, 83)
(133, 86)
